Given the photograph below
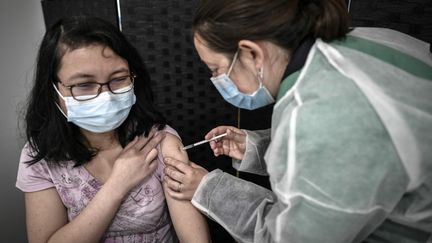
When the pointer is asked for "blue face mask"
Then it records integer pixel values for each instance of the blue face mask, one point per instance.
(229, 91)
(101, 114)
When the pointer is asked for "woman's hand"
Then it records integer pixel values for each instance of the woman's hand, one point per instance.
(232, 145)
(136, 162)
(182, 178)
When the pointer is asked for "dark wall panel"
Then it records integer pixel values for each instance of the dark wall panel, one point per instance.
(413, 17)
(53, 10)
(161, 31)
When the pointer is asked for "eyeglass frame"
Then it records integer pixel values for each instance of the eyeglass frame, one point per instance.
(70, 87)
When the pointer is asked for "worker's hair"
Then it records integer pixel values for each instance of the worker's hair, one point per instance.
(223, 23)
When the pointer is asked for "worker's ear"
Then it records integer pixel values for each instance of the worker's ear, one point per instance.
(252, 50)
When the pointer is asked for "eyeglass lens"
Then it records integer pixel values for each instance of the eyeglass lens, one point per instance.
(87, 91)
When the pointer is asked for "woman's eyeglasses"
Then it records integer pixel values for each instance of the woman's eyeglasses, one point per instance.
(91, 90)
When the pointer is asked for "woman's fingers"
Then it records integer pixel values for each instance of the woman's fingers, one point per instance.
(152, 166)
(131, 143)
(145, 139)
(172, 184)
(181, 166)
(215, 146)
(230, 130)
(216, 131)
(182, 179)
(233, 144)
(174, 174)
(226, 146)
(175, 194)
(151, 155)
(176, 189)
(236, 135)
(140, 141)
(145, 145)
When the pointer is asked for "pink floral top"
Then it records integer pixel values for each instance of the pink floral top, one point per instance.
(142, 217)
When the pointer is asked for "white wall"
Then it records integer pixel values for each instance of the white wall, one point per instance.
(21, 30)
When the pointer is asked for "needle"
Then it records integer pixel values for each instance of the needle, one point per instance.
(204, 141)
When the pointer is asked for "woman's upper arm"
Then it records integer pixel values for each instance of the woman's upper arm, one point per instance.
(45, 214)
(171, 146)
(189, 223)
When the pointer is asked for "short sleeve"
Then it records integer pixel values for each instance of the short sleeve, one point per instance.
(161, 165)
(34, 177)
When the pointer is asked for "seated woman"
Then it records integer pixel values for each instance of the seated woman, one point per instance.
(92, 169)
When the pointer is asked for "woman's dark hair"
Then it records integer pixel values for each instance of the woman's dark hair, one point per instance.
(49, 134)
(223, 23)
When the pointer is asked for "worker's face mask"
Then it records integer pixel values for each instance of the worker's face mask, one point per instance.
(226, 87)
(101, 114)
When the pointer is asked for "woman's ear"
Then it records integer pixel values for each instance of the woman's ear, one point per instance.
(253, 51)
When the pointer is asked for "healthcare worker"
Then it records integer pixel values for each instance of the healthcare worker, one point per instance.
(349, 150)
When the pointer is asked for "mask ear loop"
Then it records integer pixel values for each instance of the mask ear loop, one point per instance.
(261, 76)
(233, 62)
(61, 96)
(261, 73)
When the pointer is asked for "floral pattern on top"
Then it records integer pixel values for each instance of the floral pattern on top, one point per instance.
(142, 217)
